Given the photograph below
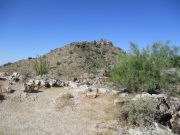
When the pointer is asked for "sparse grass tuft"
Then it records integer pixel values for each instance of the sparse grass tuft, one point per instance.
(41, 66)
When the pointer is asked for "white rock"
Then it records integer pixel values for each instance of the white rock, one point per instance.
(83, 89)
(124, 94)
(72, 84)
(103, 90)
(52, 82)
(37, 82)
(115, 92)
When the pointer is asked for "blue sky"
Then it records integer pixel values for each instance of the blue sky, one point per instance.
(34, 27)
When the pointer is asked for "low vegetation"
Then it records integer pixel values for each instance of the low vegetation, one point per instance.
(148, 69)
(141, 112)
(7, 64)
(41, 66)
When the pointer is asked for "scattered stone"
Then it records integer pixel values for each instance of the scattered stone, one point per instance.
(91, 94)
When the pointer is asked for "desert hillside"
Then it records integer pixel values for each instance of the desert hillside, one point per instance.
(74, 59)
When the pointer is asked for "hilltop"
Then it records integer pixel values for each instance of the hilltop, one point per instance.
(73, 60)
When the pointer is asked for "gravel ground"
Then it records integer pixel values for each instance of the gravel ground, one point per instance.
(45, 113)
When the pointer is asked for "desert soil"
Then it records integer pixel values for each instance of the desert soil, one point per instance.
(45, 113)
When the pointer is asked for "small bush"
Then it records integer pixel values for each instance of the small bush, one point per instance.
(58, 63)
(7, 64)
(141, 112)
(29, 58)
(41, 66)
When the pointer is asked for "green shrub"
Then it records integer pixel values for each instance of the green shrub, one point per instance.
(7, 64)
(141, 112)
(41, 66)
(142, 70)
(58, 63)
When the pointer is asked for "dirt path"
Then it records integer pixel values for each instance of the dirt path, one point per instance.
(44, 113)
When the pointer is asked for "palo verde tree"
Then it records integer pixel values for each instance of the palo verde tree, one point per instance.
(146, 69)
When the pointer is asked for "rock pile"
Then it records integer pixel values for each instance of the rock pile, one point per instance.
(45, 82)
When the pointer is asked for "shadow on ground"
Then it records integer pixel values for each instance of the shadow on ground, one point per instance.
(2, 97)
(36, 91)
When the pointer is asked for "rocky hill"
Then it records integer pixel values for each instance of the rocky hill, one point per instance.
(73, 60)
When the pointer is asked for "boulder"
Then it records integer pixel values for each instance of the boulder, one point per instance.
(60, 83)
(52, 82)
(45, 83)
(37, 82)
(29, 88)
(3, 76)
(168, 108)
(15, 77)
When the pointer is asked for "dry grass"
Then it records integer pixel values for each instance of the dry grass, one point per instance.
(65, 100)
